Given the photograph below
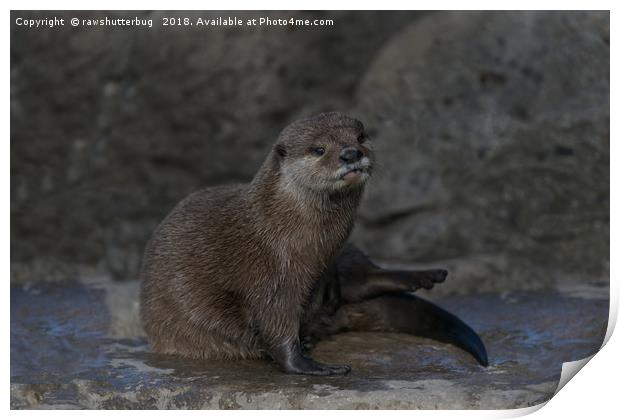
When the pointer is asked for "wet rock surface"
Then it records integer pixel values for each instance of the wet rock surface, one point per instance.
(80, 346)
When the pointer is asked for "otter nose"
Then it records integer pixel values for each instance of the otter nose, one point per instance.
(350, 155)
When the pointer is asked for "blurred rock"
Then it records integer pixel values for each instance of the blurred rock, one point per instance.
(492, 130)
(111, 127)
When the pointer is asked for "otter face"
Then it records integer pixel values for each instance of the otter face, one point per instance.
(328, 152)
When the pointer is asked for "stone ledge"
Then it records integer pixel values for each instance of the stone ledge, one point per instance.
(68, 351)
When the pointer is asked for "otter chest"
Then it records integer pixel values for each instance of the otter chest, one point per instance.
(311, 249)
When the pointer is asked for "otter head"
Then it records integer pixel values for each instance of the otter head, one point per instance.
(325, 153)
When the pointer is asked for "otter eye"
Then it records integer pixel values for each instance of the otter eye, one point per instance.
(318, 151)
(361, 138)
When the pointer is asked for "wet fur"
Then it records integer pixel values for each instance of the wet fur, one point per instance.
(228, 273)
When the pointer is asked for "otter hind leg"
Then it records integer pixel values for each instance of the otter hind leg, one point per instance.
(360, 279)
(403, 312)
(377, 281)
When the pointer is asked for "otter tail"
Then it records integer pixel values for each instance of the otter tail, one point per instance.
(403, 312)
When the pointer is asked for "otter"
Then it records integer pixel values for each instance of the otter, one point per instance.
(264, 269)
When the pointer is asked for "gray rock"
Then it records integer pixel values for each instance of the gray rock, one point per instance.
(111, 127)
(73, 346)
(492, 130)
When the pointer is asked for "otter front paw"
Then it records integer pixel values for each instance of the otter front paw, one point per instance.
(291, 360)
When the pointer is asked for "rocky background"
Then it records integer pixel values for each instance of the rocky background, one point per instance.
(492, 130)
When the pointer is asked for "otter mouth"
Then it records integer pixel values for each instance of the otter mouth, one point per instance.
(354, 171)
(353, 174)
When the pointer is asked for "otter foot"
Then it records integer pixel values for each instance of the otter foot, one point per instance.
(410, 281)
(427, 278)
(380, 281)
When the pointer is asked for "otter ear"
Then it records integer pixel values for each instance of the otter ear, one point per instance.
(280, 150)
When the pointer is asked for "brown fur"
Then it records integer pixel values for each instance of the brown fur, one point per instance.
(251, 270)
(229, 273)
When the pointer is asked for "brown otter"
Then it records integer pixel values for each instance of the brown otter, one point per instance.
(256, 270)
